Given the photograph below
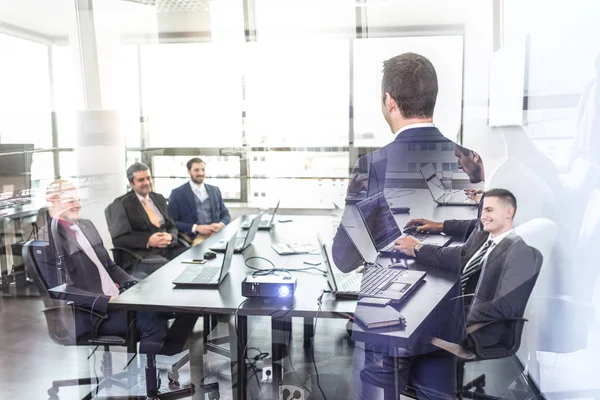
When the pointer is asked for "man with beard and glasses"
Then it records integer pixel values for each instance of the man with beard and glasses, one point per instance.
(198, 208)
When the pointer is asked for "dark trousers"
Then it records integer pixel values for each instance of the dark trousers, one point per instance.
(153, 332)
(433, 375)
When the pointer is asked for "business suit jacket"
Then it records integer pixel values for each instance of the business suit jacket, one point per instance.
(501, 289)
(447, 320)
(130, 226)
(182, 207)
(81, 271)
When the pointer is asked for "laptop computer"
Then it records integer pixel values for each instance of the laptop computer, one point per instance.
(384, 230)
(241, 243)
(343, 285)
(375, 182)
(439, 194)
(266, 222)
(207, 275)
(388, 283)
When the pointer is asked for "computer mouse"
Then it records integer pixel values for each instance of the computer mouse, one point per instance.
(409, 230)
(398, 265)
(209, 255)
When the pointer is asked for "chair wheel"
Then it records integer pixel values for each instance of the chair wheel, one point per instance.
(173, 377)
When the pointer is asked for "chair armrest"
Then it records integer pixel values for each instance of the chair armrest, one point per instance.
(132, 253)
(475, 327)
(184, 240)
(70, 305)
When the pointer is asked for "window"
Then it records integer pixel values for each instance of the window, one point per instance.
(299, 103)
(447, 146)
(192, 94)
(25, 95)
(412, 167)
(446, 166)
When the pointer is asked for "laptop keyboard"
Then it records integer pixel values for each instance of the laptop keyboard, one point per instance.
(348, 283)
(207, 275)
(374, 278)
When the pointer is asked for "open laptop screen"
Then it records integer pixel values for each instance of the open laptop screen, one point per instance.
(433, 181)
(379, 220)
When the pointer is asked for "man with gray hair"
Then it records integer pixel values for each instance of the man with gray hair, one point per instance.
(141, 220)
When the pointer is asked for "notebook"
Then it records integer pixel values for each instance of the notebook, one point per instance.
(378, 317)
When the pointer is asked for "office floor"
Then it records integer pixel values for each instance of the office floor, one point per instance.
(30, 361)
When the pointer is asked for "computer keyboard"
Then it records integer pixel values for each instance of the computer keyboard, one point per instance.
(348, 282)
(206, 275)
(374, 278)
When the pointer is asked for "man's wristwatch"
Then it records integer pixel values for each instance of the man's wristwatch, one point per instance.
(417, 248)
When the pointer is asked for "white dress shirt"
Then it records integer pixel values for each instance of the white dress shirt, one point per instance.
(108, 285)
(495, 242)
(161, 218)
(413, 126)
(201, 193)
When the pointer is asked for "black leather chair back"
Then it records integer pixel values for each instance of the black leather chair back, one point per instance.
(60, 318)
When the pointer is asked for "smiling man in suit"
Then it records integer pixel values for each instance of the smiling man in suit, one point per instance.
(99, 280)
(497, 268)
(198, 208)
(143, 223)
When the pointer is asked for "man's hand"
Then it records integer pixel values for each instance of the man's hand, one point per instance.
(406, 245)
(112, 298)
(425, 225)
(474, 194)
(205, 230)
(155, 239)
(217, 226)
(357, 183)
(165, 240)
(160, 240)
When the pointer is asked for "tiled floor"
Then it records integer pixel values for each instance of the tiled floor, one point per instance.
(30, 361)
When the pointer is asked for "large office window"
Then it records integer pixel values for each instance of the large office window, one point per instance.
(24, 92)
(297, 93)
(192, 95)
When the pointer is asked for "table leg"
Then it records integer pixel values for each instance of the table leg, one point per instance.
(238, 347)
(309, 331)
(280, 330)
(197, 351)
(131, 332)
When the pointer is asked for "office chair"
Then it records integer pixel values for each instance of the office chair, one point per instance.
(137, 265)
(60, 320)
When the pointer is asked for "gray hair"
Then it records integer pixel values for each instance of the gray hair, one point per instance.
(136, 167)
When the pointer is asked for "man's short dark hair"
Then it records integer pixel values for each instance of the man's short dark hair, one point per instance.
(466, 152)
(411, 81)
(136, 167)
(504, 195)
(194, 161)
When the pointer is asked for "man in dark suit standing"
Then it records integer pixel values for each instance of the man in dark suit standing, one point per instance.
(497, 268)
(198, 208)
(409, 94)
(99, 280)
(141, 221)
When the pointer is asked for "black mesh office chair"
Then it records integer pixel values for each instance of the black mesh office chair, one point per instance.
(60, 320)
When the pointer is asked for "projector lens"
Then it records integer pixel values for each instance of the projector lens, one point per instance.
(284, 291)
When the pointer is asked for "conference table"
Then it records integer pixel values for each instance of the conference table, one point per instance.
(157, 292)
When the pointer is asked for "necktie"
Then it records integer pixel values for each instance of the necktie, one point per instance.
(108, 285)
(151, 214)
(474, 265)
(202, 195)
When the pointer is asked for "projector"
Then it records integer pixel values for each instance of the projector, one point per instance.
(269, 286)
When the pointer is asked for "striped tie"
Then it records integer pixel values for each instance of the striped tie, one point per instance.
(474, 265)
